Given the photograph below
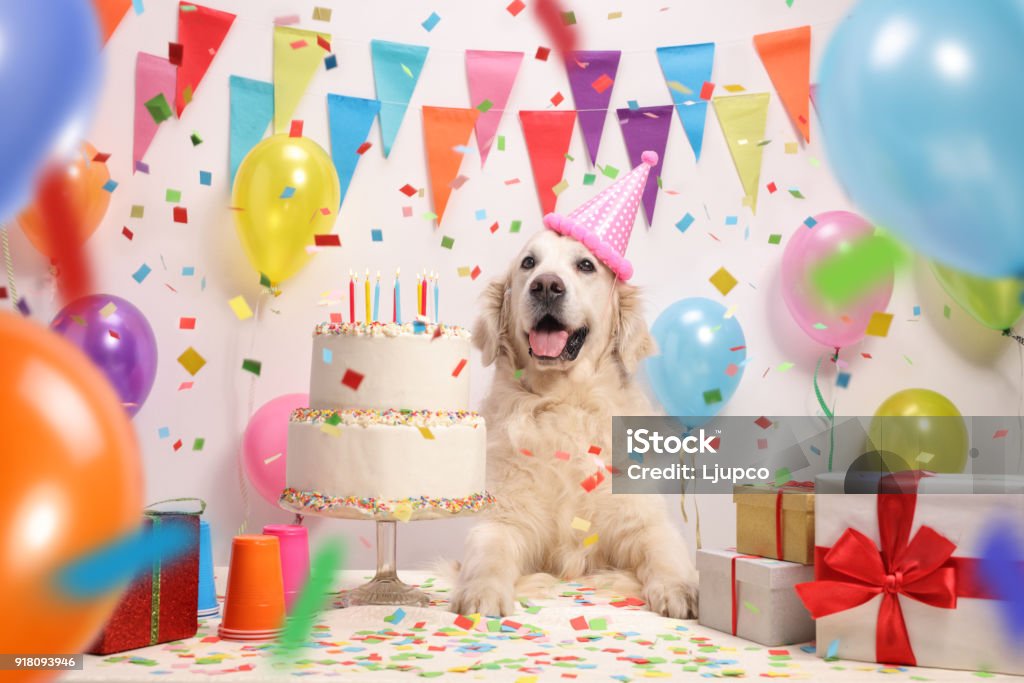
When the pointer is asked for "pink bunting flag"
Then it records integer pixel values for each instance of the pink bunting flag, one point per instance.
(154, 76)
(547, 135)
(491, 76)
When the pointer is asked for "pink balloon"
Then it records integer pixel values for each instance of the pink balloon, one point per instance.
(266, 436)
(805, 250)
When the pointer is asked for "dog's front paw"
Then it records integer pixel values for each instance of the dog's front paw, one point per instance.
(490, 598)
(676, 599)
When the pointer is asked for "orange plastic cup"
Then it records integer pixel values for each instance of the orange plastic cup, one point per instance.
(254, 603)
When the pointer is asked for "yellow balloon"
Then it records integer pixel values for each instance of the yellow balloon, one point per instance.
(280, 189)
(922, 427)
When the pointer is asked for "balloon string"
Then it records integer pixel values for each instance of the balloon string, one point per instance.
(12, 289)
(830, 414)
(696, 508)
(1008, 332)
(242, 486)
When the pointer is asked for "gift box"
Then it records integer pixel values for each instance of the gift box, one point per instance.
(753, 597)
(898, 576)
(776, 521)
(160, 605)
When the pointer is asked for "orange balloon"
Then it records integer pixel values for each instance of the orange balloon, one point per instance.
(83, 183)
(70, 483)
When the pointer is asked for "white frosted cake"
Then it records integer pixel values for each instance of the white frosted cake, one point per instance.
(388, 433)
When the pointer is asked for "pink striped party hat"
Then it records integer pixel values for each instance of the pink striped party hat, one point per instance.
(604, 222)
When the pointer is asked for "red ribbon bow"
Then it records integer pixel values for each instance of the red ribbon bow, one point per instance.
(854, 571)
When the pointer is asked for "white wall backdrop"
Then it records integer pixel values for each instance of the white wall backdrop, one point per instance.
(955, 356)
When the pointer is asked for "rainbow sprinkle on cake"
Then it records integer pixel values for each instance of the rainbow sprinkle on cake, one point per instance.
(391, 418)
(315, 501)
(379, 329)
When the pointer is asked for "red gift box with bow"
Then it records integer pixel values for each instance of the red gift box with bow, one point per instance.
(897, 578)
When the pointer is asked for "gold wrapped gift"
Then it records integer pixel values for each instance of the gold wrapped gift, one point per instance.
(763, 511)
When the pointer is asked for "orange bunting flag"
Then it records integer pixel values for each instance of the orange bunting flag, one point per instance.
(547, 135)
(110, 13)
(446, 132)
(201, 31)
(786, 56)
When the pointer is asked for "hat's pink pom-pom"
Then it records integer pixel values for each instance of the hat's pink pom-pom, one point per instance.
(650, 158)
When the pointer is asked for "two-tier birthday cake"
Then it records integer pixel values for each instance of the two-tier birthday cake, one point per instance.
(389, 434)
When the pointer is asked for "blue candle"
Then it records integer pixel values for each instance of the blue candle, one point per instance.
(398, 299)
(437, 310)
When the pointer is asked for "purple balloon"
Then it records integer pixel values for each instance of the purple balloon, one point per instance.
(118, 339)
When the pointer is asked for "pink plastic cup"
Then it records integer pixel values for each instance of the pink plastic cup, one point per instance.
(294, 540)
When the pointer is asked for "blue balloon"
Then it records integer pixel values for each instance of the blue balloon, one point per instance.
(696, 346)
(49, 70)
(920, 108)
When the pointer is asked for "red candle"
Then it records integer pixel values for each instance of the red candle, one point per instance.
(351, 298)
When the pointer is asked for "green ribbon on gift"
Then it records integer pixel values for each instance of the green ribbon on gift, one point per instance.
(156, 517)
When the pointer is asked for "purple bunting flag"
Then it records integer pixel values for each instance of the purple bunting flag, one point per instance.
(591, 78)
(646, 128)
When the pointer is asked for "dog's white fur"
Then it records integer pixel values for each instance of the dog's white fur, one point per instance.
(565, 406)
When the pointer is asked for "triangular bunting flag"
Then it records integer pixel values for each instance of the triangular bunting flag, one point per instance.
(687, 68)
(154, 92)
(786, 56)
(252, 108)
(743, 119)
(444, 130)
(201, 31)
(646, 128)
(591, 78)
(110, 13)
(349, 119)
(491, 76)
(396, 71)
(297, 55)
(547, 134)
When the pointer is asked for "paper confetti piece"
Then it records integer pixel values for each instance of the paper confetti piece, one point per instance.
(186, 323)
(542, 54)
(426, 433)
(205, 178)
(253, 366)
(192, 361)
(557, 99)
(430, 22)
(142, 273)
(352, 379)
(590, 540)
(833, 648)
(723, 281)
(580, 524)
(775, 239)
(158, 108)
(137, 211)
(196, 139)
(395, 617)
(172, 196)
(408, 190)
(843, 380)
(327, 240)
(602, 83)
(515, 226)
(1000, 434)
(459, 367)
(295, 129)
(180, 214)
(322, 13)
(763, 422)
(331, 62)
(685, 222)
(562, 455)
(447, 242)
(314, 597)
(287, 193)
(108, 310)
(465, 623)
(792, 148)
(241, 307)
(878, 325)
(579, 623)
(712, 396)
(110, 185)
(707, 90)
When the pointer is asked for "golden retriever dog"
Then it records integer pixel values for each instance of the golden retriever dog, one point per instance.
(566, 337)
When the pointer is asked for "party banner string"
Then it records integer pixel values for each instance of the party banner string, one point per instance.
(830, 414)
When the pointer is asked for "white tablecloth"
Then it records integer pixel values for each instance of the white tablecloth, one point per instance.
(539, 643)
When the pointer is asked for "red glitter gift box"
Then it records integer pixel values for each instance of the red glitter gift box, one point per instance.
(160, 605)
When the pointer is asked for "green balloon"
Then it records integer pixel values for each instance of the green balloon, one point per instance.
(993, 303)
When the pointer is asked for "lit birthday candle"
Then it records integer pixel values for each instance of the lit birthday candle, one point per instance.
(366, 289)
(376, 298)
(423, 294)
(396, 308)
(351, 297)
(419, 294)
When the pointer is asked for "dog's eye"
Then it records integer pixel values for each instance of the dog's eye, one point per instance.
(527, 263)
(586, 266)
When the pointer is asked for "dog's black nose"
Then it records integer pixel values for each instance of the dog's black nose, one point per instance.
(546, 288)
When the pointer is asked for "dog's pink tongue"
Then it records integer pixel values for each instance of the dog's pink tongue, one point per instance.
(548, 344)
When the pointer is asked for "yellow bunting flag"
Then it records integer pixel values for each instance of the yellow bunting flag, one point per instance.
(743, 119)
(445, 131)
(297, 56)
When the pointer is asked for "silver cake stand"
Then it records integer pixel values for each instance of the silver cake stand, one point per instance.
(385, 588)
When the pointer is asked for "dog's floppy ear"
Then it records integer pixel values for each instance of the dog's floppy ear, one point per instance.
(489, 332)
(633, 342)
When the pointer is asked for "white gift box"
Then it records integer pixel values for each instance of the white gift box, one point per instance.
(767, 608)
(969, 636)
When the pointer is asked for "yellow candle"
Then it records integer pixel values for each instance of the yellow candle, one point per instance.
(366, 289)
